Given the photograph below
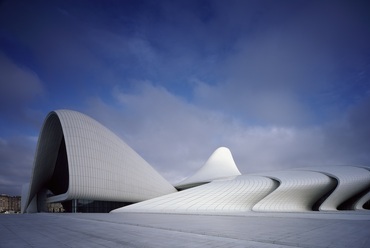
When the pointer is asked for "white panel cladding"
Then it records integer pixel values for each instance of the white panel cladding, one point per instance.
(103, 167)
(359, 204)
(351, 181)
(100, 165)
(295, 190)
(298, 191)
(229, 195)
(45, 157)
(219, 165)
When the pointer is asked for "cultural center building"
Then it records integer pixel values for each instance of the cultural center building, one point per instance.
(87, 168)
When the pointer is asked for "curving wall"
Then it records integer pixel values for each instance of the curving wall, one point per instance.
(78, 158)
(296, 190)
(237, 194)
(351, 181)
(363, 200)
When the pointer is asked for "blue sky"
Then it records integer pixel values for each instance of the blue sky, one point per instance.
(283, 84)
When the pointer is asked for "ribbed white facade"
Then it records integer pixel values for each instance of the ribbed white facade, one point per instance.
(236, 194)
(351, 181)
(78, 158)
(298, 191)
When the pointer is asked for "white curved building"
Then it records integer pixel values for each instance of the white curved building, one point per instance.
(77, 158)
(237, 194)
(298, 191)
(219, 165)
(351, 182)
(85, 167)
(362, 202)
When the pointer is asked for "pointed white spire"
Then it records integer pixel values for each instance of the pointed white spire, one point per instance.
(219, 165)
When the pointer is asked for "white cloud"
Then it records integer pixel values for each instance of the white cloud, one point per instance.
(279, 68)
(176, 136)
(16, 156)
(17, 84)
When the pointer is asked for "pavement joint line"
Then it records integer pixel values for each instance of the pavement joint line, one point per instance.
(144, 229)
(193, 232)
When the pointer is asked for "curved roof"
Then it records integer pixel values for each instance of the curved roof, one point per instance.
(219, 165)
(78, 158)
(295, 190)
(298, 191)
(364, 197)
(362, 201)
(279, 191)
(351, 181)
(236, 194)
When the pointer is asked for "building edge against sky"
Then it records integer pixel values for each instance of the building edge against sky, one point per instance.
(78, 158)
(79, 162)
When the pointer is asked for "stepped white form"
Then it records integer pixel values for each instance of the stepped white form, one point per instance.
(86, 167)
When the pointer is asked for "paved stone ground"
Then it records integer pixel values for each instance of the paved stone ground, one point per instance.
(347, 229)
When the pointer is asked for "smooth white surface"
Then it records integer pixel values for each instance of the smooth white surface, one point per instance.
(293, 190)
(101, 166)
(237, 194)
(219, 165)
(298, 191)
(361, 202)
(359, 205)
(351, 181)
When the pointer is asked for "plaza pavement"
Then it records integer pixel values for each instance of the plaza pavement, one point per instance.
(313, 229)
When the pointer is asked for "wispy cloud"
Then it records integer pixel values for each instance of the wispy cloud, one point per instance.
(16, 156)
(177, 137)
(18, 85)
(282, 84)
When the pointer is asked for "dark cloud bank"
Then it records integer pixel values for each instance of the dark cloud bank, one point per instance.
(281, 83)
